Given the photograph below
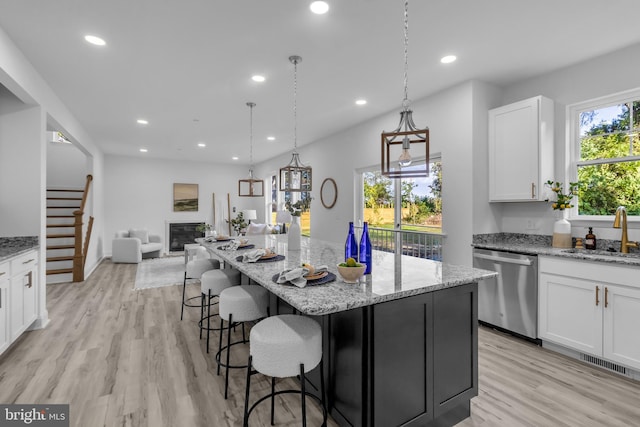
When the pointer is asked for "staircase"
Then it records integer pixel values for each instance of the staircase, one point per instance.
(65, 249)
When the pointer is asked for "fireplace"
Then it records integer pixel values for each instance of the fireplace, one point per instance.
(181, 233)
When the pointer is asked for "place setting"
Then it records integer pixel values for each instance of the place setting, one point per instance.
(237, 244)
(260, 255)
(305, 275)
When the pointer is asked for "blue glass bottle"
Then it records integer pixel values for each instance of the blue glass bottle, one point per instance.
(365, 249)
(351, 246)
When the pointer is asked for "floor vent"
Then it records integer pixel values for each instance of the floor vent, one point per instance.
(603, 364)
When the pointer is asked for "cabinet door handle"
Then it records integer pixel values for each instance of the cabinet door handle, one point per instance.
(30, 282)
(597, 295)
(28, 261)
(606, 297)
(533, 190)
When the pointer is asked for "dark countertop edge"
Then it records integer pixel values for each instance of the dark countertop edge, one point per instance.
(583, 254)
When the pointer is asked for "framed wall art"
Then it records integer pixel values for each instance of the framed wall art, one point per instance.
(185, 197)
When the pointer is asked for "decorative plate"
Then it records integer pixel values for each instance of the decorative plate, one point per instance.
(330, 277)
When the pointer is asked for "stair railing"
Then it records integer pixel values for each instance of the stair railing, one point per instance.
(80, 251)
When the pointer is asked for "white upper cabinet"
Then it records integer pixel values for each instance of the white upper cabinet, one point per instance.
(520, 150)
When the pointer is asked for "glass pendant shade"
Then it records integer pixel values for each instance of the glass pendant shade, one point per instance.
(250, 187)
(404, 148)
(295, 176)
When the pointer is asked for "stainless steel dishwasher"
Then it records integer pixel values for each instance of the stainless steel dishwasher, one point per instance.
(510, 300)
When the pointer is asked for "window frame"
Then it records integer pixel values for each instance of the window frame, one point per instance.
(572, 147)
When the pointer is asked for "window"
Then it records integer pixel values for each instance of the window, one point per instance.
(605, 155)
(419, 200)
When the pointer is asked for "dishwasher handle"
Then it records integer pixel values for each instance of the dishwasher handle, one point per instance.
(519, 261)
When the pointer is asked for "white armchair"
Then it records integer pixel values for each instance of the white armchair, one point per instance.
(133, 245)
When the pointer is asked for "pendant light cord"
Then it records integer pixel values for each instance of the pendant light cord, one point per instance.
(251, 105)
(295, 106)
(405, 102)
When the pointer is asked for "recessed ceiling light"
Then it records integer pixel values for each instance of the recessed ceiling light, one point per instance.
(142, 122)
(143, 150)
(361, 102)
(95, 40)
(319, 7)
(258, 78)
(202, 144)
(448, 59)
(235, 158)
(271, 138)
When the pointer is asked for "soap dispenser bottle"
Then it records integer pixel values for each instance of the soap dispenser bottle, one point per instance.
(590, 240)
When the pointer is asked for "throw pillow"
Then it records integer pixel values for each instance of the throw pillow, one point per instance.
(254, 228)
(143, 235)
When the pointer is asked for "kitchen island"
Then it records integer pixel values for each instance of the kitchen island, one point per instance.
(400, 347)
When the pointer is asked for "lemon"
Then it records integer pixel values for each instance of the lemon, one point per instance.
(351, 262)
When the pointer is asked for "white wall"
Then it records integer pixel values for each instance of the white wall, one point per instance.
(20, 173)
(448, 114)
(66, 166)
(139, 193)
(608, 74)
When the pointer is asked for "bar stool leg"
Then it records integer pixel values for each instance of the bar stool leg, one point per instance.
(303, 396)
(220, 343)
(324, 403)
(245, 423)
(226, 373)
(208, 319)
(184, 292)
(201, 312)
(273, 395)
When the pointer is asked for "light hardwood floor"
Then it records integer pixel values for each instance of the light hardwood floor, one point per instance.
(121, 357)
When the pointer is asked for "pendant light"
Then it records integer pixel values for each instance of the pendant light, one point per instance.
(251, 187)
(406, 139)
(295, 176)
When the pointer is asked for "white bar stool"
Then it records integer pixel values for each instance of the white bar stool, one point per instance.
(238, 304)
(193, 270)
(212, 283)
(285, 346)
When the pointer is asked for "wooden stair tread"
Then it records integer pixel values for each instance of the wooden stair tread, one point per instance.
(60, 258)
(61, 247)
(60, 216)
(63, 207)
(60, 225)
(64, 198)
(66, 189)
(60, 271)
(59, 236)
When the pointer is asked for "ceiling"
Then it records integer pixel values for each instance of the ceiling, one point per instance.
(186, 66)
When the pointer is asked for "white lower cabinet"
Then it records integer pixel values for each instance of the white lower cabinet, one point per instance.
(23, 292)
(5, 333)
(591, 307)
(18, 296)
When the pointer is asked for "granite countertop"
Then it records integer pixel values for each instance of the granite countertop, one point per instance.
(13, 246)
(532, 244)
(393, 276)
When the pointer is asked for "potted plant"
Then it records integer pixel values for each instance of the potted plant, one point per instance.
(238, 224)
(296, 209)
(204, 228)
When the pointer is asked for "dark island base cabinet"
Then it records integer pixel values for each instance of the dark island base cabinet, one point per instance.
(407, 362)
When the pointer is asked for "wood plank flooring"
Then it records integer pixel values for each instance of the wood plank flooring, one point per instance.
(121, 357)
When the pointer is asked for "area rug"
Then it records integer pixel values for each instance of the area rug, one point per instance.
(158, 272)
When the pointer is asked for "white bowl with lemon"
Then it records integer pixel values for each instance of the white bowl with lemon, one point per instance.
(351, 270)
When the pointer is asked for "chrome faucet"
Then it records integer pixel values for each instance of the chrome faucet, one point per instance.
(621, 221)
